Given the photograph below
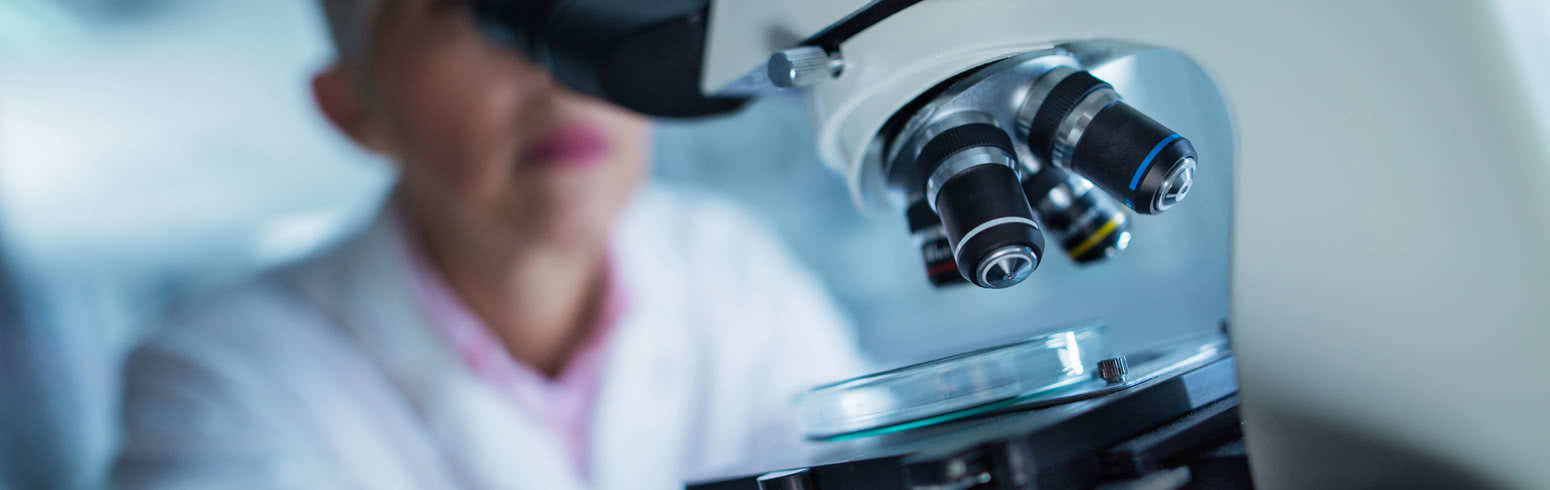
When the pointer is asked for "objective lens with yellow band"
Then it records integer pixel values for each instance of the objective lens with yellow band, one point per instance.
(1083, 219)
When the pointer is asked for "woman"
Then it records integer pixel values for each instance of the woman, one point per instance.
(522, 315)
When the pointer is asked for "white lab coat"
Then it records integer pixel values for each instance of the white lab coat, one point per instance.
(325, 375)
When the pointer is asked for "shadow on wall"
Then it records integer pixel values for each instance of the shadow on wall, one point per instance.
(1312, 452)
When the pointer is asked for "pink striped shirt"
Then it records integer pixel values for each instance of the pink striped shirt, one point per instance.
(562, 405)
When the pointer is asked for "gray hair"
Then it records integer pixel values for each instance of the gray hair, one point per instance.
(349, 24)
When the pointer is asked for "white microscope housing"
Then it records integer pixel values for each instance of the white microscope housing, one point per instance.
(1391, 225)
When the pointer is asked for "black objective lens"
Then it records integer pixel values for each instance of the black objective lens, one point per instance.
(1082, 124)
(967, 175)
(1088, 223)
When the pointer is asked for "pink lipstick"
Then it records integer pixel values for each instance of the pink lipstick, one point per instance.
(569, 146)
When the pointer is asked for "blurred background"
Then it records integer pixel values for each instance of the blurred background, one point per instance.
(152, 149)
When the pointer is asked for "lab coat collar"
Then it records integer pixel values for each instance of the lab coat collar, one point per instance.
(644, 403)
(364, 286)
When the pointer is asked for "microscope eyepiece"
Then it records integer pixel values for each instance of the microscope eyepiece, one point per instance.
(968, 176)
(1079, 122)
(1087, 223)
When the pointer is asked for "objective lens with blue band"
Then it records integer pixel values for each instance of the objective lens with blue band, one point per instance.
(1123, 151)
(1131, 156)
(1136, 179)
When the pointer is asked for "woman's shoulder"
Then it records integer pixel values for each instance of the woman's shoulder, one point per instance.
(261, 314)
(294, 294)
(236, 323)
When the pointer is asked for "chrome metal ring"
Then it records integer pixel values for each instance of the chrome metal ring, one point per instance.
(1056, 200)
(1071, 127)
(1034, 100)
(1015, 253)
(923, 137)
(958, 247)
(1176, 186)
(961, 162)
(1062, 197)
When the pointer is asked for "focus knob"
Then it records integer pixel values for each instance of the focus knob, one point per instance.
(802, 66)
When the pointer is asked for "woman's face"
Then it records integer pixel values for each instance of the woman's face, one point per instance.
(485, 139)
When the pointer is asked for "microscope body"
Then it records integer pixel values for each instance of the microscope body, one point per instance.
(1390, 219)
(1389, 158)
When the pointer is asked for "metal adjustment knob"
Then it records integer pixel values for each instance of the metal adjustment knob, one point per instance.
(1113, 369)
(802, 66)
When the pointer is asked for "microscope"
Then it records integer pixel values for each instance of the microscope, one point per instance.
(1390, 219)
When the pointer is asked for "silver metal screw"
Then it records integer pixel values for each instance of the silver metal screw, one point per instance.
(1113, 369)
(803, 66)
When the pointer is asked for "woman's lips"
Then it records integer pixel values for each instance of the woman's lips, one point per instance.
(569, 146)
